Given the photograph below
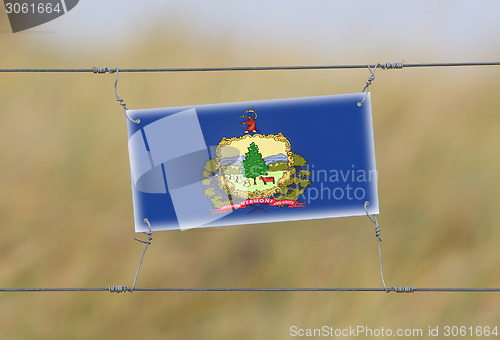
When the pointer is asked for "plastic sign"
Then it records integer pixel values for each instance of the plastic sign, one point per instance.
(252, 162)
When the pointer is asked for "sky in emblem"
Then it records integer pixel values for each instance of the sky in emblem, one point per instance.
(267, 147)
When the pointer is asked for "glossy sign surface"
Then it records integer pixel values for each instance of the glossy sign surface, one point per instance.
(252, 162)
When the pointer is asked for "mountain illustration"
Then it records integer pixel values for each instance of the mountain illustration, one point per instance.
(276, 158)
(238, 160)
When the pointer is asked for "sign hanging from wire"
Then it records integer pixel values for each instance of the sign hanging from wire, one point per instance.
(252, 162)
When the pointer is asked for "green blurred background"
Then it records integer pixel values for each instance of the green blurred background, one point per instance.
(65, 196)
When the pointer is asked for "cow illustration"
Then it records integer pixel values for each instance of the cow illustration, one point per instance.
(266, 179)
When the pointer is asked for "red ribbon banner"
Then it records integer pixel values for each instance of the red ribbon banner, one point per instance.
(270, 201)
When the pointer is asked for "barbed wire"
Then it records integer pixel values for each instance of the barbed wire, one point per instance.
(398, 65)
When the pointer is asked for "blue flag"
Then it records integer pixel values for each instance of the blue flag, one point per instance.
(252, 162)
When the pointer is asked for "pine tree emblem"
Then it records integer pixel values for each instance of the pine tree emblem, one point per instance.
(254, 165)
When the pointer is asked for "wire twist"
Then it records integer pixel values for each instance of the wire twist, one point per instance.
(368, 83)
(374, 220)
(404, 289)
(102, 70)
(122, 289)
(392, 66)
(379, 239)
(371, 78)
(377, 235)
(120, 100)
(149, 233)
(117, 289)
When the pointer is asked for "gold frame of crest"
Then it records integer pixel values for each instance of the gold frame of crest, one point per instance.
(257, 193)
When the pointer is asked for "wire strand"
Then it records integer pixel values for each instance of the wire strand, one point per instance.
(246, 68)
(119, 289)
(173, 289)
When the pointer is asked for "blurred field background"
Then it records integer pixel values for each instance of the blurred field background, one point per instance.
(66, 207)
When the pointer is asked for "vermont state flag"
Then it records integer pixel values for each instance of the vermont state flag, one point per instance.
(252, 162)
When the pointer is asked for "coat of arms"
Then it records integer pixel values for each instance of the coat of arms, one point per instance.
(255, 170)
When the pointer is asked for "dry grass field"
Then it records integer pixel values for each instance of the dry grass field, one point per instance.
(66, 207)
